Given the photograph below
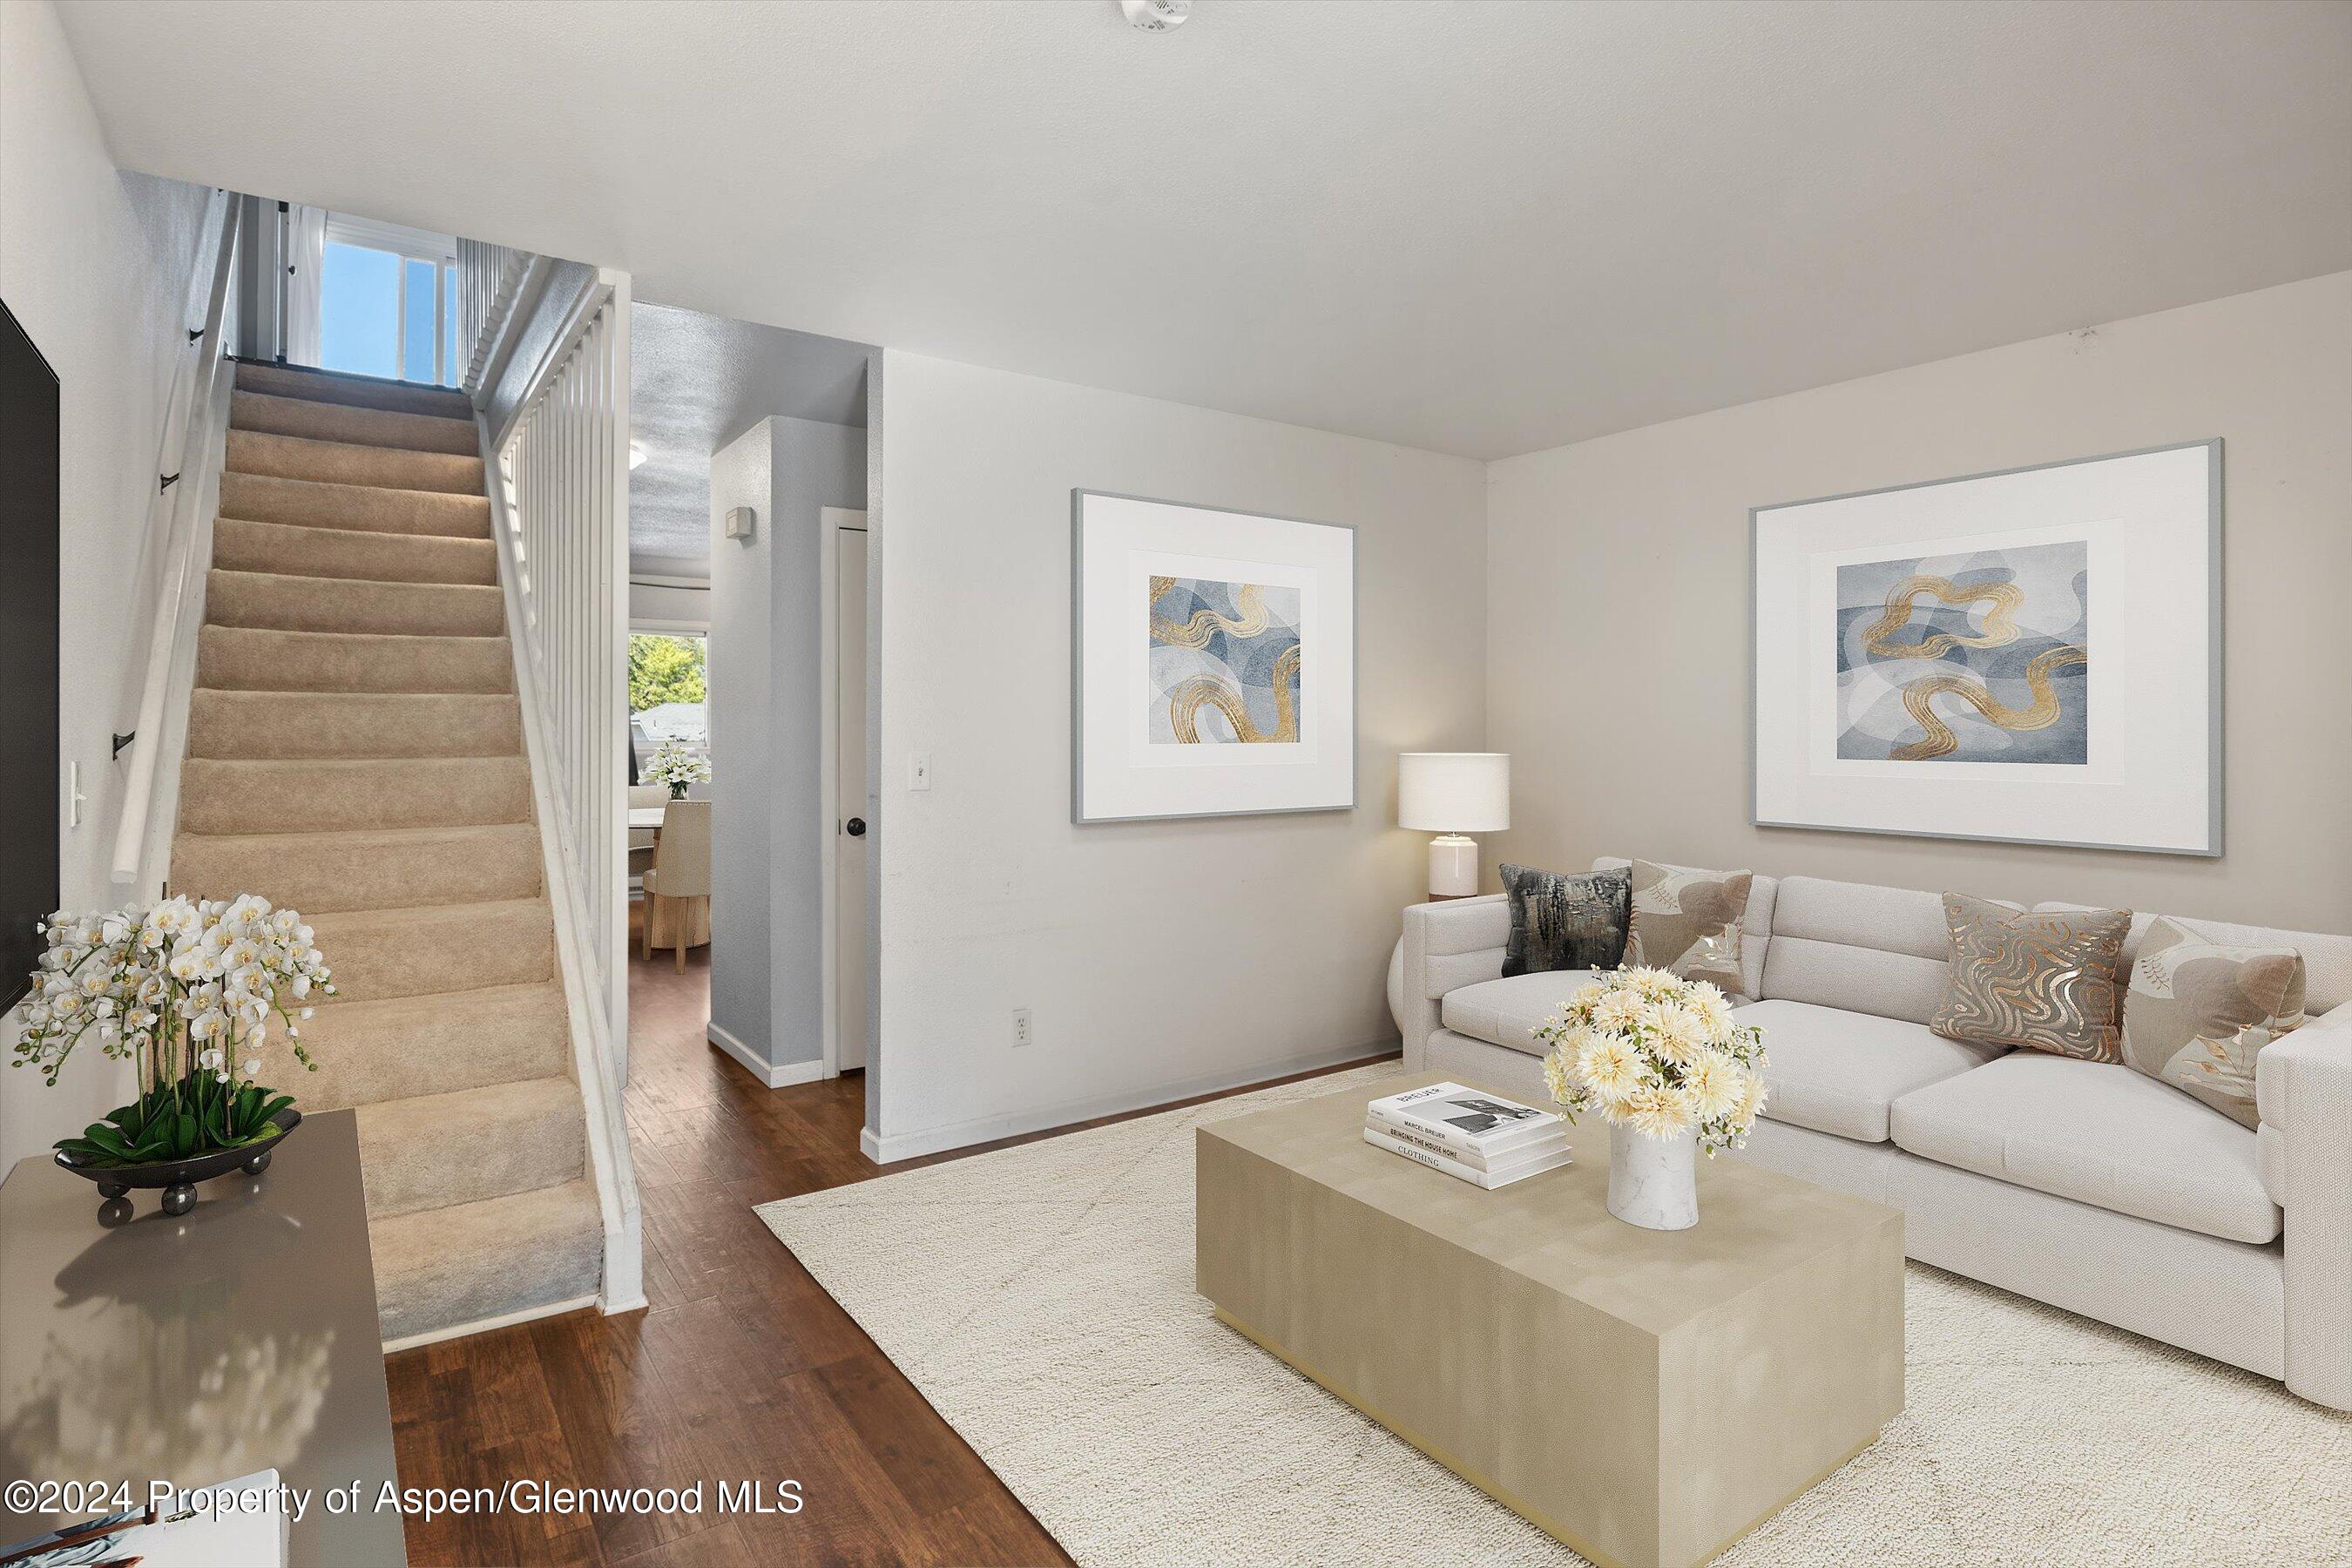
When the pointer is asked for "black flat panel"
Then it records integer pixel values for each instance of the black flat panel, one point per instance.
(29, 771)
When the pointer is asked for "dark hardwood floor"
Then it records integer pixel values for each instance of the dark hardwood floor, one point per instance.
(742, 1368)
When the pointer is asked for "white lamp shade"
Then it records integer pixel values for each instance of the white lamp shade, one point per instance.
(1453, 791)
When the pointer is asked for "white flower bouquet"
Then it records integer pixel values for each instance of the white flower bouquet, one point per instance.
(678, 765)
(187, 991)
(1658, 1054)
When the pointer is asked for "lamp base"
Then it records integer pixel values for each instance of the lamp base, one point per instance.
(1453, 867)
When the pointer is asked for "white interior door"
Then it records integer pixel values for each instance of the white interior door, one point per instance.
(850, 841)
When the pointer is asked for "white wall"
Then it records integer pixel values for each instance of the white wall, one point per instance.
(96, 265)
(1160, 958)
(1617, 602)
(766, 910)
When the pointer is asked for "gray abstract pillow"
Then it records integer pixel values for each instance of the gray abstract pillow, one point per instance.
(1562, 922)
(2046, 981)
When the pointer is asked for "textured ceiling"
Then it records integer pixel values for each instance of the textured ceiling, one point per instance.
(1480, 228)
(696, 382)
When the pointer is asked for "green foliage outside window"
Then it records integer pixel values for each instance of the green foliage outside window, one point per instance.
(665, 669)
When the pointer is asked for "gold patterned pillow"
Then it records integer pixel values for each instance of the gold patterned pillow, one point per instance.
(1688, 922)
(2047, 981)
(2197, 1013)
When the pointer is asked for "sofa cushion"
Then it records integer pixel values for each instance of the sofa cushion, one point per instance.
(2096, 1132)
(1506, 1012)
(1852, 945)
(1836, 1071)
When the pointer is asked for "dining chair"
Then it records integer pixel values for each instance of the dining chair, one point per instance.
(678, 884)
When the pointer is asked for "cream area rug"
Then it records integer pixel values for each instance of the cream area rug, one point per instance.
(1041, 1298)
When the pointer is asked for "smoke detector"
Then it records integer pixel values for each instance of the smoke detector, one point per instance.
(1156, 15)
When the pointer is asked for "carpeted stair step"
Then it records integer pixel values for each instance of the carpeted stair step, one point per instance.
(267, 498)
(372, 1051)
(239, 724)
(220, 794)
(348, 463)
(441, 1267)
(364, 868)
(316, 421)
(353, 391)
(377, 954)
(251, 658)
(290, 549)
(464, 1147)
(286, 604)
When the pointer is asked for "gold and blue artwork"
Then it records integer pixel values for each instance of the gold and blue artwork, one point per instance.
(1225, 660)
(1980, 658)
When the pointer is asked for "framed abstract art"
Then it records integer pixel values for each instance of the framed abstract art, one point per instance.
(1213, 661)
(2031, 656)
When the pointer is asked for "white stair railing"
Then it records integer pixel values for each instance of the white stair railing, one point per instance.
(177, 552)
(558, 483)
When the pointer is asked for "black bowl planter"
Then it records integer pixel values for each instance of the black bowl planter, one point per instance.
(178, 1178)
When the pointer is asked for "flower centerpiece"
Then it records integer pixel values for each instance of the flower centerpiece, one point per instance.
(678, 765)
(187, 991)
(1661, 1061)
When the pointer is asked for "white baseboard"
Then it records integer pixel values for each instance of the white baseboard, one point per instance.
(775, 1075)
(483, 1326)
(890, 1148)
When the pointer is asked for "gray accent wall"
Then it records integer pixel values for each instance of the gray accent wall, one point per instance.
(766, 908)
(1627, 556)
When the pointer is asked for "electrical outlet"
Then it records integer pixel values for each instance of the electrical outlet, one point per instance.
(918, 770)
(1021, 1026)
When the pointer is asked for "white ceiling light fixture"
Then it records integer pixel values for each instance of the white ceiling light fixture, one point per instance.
(1156, 15)
(636, 456)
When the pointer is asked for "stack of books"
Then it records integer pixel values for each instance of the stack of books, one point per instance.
(1468, 1132)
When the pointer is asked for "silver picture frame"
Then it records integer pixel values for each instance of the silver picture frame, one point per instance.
(2216, 815)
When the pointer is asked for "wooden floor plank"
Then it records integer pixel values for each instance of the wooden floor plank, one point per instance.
(740, 1369)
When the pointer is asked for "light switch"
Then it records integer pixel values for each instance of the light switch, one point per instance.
(918, 770)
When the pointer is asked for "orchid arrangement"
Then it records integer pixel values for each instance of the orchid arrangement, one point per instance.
(1657, 1054)
(678, 765)
(187, 989)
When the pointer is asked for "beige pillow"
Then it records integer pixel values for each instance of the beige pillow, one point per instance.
(1688, 922)
(2198, 1013)
(2043, 981)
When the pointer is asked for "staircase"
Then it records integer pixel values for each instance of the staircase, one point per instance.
(355, 750)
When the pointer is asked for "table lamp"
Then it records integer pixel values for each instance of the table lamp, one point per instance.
(1452, 794)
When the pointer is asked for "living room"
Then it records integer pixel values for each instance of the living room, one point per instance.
(1546, 554)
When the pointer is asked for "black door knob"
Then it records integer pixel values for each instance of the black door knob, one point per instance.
(857, 827)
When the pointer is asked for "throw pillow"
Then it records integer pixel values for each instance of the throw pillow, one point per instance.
(2198, 1013)
(1688, 922)
(2047, 981)
(1564, 921)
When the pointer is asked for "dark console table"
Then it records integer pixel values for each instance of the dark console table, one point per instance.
(239, 1337)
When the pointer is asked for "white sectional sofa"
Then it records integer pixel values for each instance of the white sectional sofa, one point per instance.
(2086, 1185)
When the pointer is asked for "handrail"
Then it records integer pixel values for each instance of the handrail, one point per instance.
(558, 473)
(179, 499)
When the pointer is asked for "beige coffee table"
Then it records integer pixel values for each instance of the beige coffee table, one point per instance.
(1647, 1397)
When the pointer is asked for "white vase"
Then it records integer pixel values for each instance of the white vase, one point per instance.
(1652, 1182)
